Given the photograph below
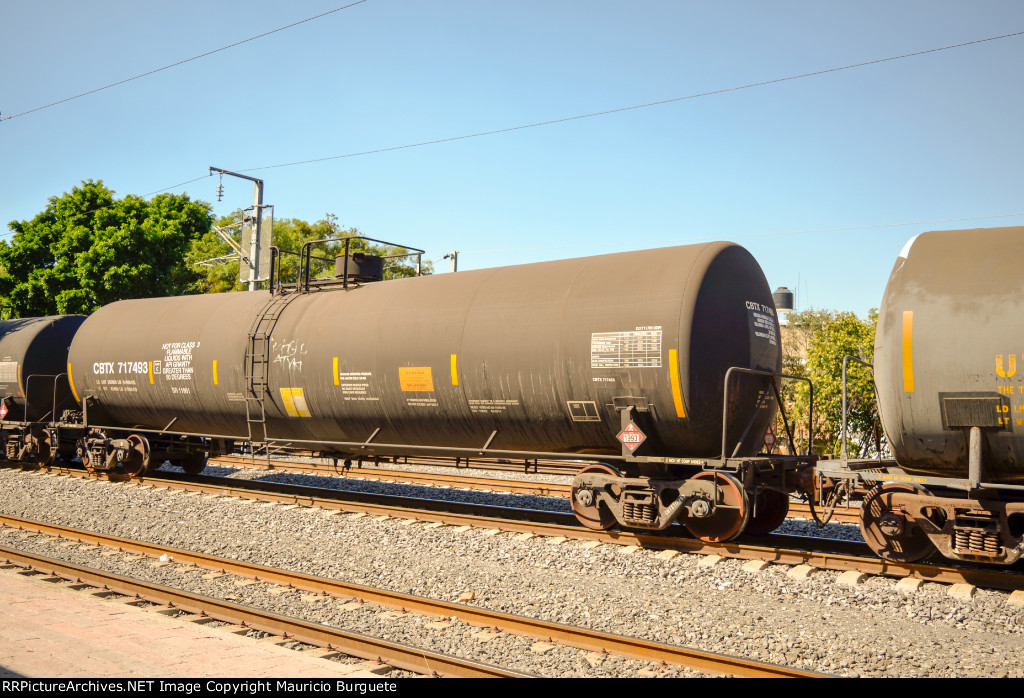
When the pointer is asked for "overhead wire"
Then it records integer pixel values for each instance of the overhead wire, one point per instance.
(590, 115)
(635, 106)
(632, 243)
(182, 62)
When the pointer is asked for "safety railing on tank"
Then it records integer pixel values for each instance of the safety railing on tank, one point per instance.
(846, 413)
(761, 400)
(53, 408)
(307, 250)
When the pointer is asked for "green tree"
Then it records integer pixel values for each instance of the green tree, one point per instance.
(87, 249)
(814, 344)
(289, 235)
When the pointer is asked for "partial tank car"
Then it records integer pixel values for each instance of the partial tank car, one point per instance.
(951, 401)
(33, 363)
(947, 349)
(33, 383)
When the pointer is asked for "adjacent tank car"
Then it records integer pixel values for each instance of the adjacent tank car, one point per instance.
(34, 389)
(951, 401)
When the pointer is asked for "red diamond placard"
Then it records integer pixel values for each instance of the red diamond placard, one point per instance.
(3, 410)
(631, 436)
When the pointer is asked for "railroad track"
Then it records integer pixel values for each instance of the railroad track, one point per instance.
(797, 510)
(399, 656)
(791, 550)
(411, 477)
(392, 653)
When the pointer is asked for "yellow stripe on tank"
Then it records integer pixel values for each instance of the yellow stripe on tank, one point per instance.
(150, 372)
(334, 370)
(673, 373)
(455, 370)
(72, 382)
(908, 351)
(215, 381)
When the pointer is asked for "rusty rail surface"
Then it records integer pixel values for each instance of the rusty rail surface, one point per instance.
(634, 648)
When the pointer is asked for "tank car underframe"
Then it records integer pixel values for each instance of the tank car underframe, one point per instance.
(716, 500)
(132, 452)
(33, 443)
(135, 453)
(961, 528)
(717, 496)
(906, 517)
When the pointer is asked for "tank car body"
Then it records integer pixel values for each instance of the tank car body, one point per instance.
(525, 358)
(621, 357)
(951, 400)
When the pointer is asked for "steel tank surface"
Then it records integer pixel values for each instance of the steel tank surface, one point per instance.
(527, 358)
(949, 353)
(33, 356)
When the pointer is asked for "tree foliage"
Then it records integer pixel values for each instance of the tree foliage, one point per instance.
(814, 345)
(289, 235)
(87, 249)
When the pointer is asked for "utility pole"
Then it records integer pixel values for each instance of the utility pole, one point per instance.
(454, 256)
(255, 238)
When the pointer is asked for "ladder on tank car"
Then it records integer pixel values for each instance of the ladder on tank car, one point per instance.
(257, 371)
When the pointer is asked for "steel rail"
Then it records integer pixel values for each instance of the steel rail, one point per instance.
(395, 654)
(583, 638)
(543, 489)
(850, 556)
(419, 478)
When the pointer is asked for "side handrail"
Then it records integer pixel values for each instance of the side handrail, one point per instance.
(778, 398)
(28, 383)
(275, 273)
(846, 361)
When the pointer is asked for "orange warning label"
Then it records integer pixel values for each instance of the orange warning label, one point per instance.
(418, 379)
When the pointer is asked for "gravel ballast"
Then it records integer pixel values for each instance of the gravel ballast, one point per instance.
(872, 629)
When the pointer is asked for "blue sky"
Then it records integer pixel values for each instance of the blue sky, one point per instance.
(822, 178)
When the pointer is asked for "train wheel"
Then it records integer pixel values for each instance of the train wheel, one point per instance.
(588, 510)
(194, 463)
(86, 464)
(136, 461)
(889, 532)
(37, 450)
(771, 510)
(728, 517)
